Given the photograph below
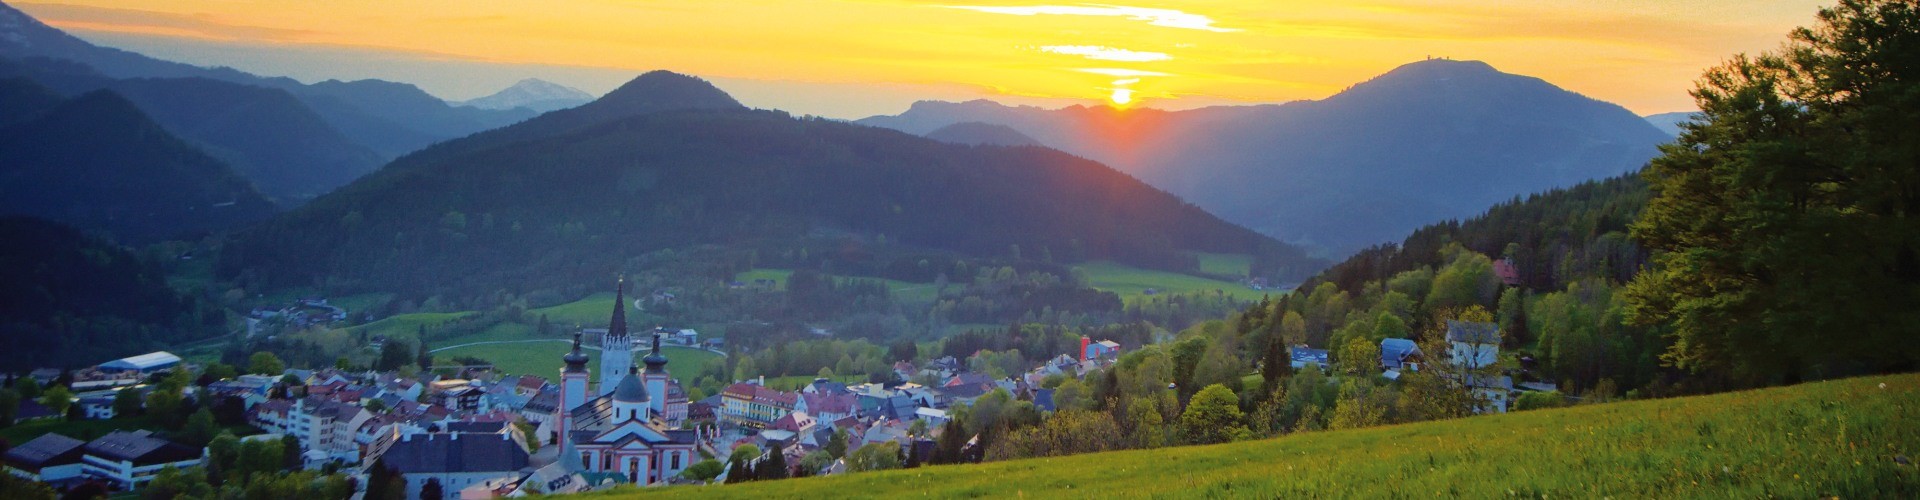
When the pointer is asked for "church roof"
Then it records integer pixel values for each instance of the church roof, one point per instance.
(630, 390)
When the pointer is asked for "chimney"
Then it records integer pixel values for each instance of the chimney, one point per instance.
(1083, 347)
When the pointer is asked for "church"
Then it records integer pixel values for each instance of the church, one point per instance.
(631, 425)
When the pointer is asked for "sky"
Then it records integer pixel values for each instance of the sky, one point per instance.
(856, 58)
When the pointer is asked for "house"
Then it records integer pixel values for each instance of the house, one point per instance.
(1472, 344)
(1397, 354)
(145, 363)
(828, 406)
(327, 427)
(797, 422)
(1494, 392)
(98, 407)
(128, 459)
(50, 458)
(455, 461)
(1302, 356)
(271, 415)
(754, 405)
(1105, 349)
(528, 385)
(1509, 274)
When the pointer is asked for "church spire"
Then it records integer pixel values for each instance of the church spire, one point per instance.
(656, 362)
(576, 360)
(617, 327)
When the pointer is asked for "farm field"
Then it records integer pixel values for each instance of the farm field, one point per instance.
(543, 357)
(902, 290)
(1827, 439)
(1131, 283)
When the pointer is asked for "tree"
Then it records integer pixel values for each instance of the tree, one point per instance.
(393, 355)
(222, 452)
(875, 456)
(432, 489)
(290, 453)
(1213, 416)
(1276, 363)
(14, 487)
(737, 472)
(813, 463)
(704, 470)
(1070, 395)
(199, 430)
(57, 399)
(744, 453)
(774, 467)
(27, 388)
(424, 357)
(384, 483)
(1360, 356)
(837, 445)
(219, 371)
(265, 363)
(1788, 207)
(9, 406)
(918, 429)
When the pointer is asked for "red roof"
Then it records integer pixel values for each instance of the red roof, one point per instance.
(1506, 271)
(760, 394)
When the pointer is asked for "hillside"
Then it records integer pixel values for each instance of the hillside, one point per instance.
(1425, 142)
(669, 161)
(67, 300)
(1829, 439)
(96, 162)
(1670, 122)
(977, 133)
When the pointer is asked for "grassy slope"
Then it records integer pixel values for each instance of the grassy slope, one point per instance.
(1131, 283)
(903, 291)
(1828, 438)
(543, 358)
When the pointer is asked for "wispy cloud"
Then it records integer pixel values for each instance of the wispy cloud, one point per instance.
(1104, 53)
(1158, 17)
(1121, 72)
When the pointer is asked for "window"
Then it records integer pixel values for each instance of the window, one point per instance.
(676, 460)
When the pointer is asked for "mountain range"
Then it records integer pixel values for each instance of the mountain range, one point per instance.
(1428, 141)
(533, 94)
(669, 161)
(97, 162)
(296, 142)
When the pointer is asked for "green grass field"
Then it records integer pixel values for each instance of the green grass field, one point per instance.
(543, 358)
(1829, 439)
(902, 291)
(1227, 264)
(1132, 282)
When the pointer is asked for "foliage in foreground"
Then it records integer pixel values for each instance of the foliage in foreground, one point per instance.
(1837, 438)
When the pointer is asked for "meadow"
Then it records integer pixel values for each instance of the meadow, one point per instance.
(543, 357)
(1132, 283)
(903, 291)
(1843, 438)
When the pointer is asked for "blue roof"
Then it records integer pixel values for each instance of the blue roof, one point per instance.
(1305, 355)
(1395, 351)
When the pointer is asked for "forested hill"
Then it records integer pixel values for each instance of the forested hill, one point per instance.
(96, 162)
(667, 161)
(67, 300)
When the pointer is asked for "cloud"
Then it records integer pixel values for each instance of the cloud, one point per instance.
(1121, 72)
(1104, 53)
(121, 20)
(1168, 18)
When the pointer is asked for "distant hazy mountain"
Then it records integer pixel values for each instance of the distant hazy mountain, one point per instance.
(390, 118)
(1426, 142)
(96, 162)
(669, 161)
(266, 134)
(533, 94)
(977, 133)
(1670, 122)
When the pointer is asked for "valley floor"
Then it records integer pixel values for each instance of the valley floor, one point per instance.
(1847, 438)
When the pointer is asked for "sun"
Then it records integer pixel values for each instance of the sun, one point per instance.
(1121, 97)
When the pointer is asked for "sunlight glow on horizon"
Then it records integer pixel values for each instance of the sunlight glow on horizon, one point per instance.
(1642, 54)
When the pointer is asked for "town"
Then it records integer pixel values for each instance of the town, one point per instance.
(627, 421)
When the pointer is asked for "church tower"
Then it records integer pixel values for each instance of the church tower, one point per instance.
(656, 377)
(616, 347)
(573, 393)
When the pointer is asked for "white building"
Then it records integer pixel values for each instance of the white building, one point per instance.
(455, 460)
(49, 458)
(129, 459)
(144, 363)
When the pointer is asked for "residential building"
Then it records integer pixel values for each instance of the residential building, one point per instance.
(755, 406)
(1399, 354)
(454, 460)
(1473, 345)
(50, 458)
(129, 459)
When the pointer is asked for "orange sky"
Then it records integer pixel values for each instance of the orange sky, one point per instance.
(851, 58)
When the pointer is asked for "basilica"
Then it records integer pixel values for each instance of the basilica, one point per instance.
(630, 422)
